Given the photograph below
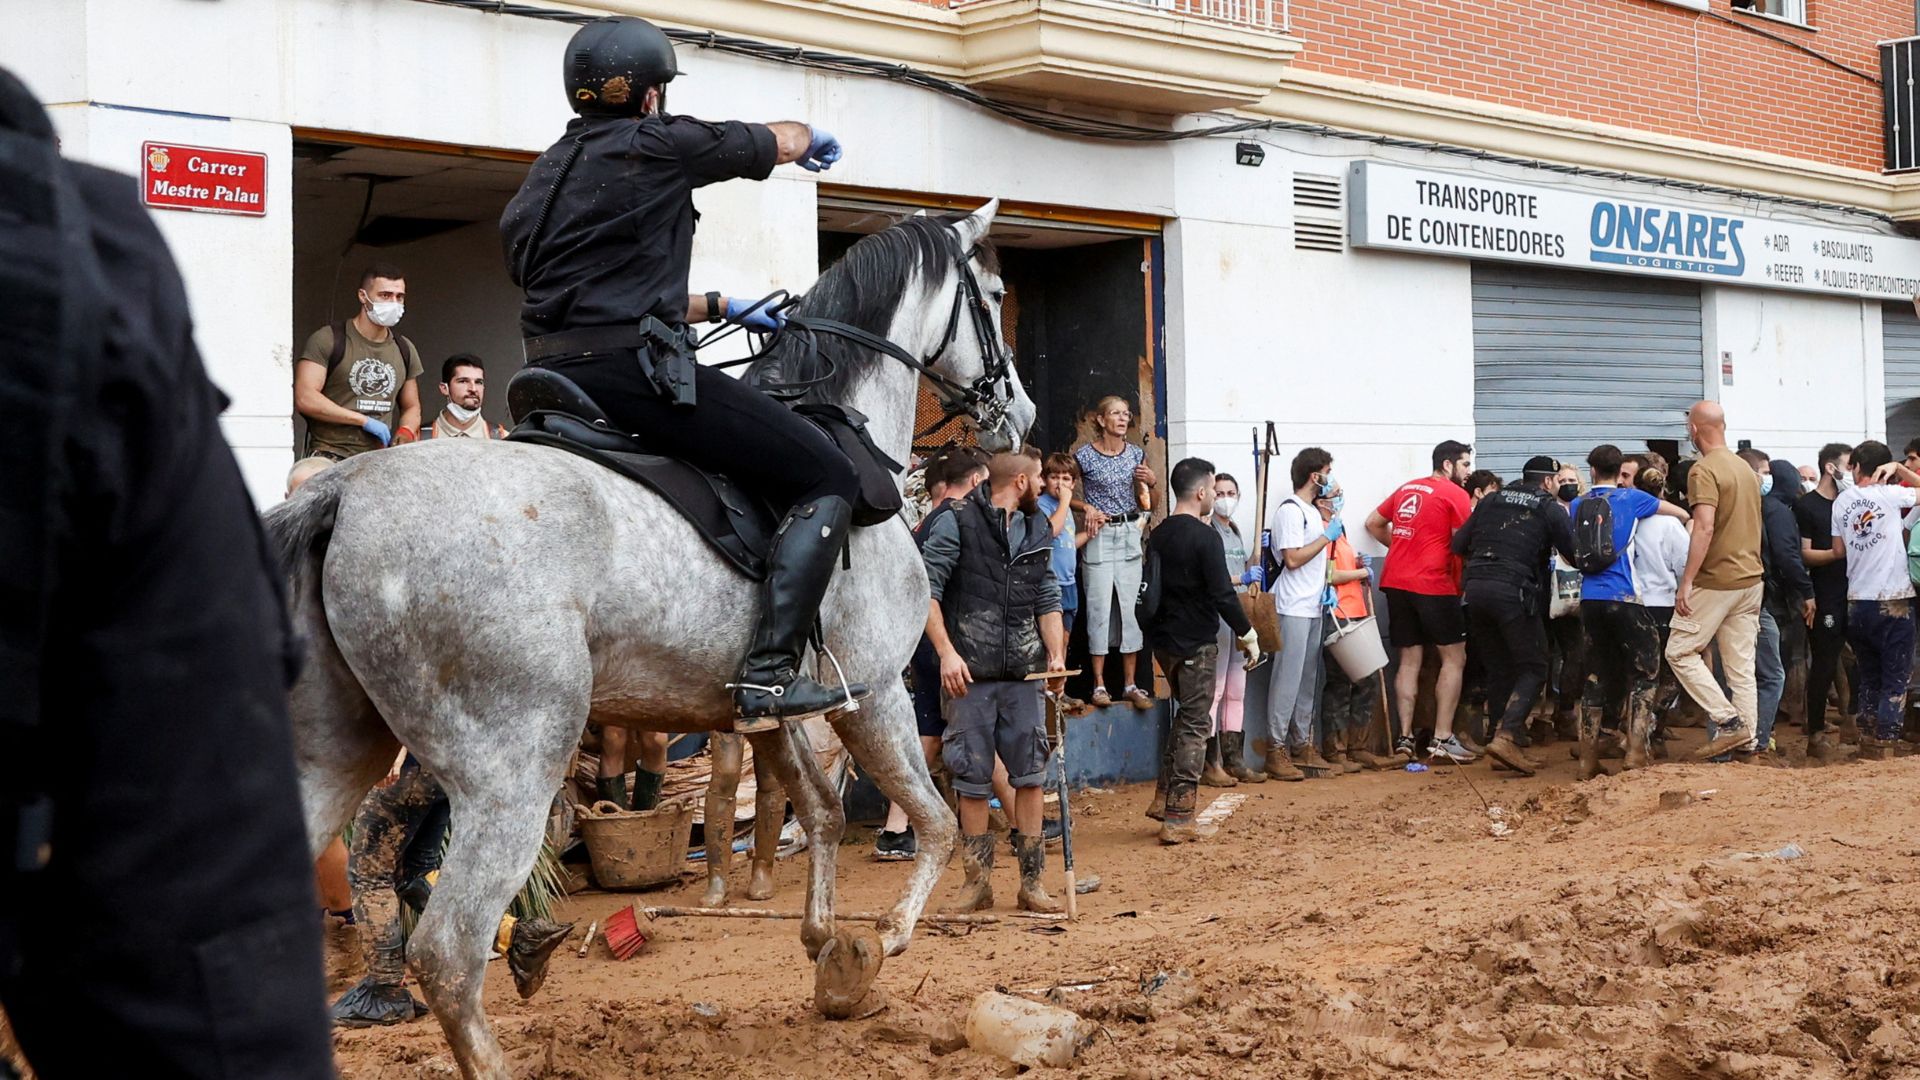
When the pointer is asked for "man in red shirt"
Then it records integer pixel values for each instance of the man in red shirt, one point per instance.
(1422, 584)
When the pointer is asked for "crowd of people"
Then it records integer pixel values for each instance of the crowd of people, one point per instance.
(1604, 603)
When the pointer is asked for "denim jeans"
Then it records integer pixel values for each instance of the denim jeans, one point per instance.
(1881, 633)
(1770, 678)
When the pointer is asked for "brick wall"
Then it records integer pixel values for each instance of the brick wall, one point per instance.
(1636, 63)
(1640, 64)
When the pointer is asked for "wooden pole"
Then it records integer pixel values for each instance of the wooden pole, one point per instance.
(853, 916)
(1059, 725)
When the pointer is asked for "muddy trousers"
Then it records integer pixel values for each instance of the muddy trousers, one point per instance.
(1881, 633)
(1623, 661)
(1190, 716)
(1513, 645)
(392, 832)
(1825, 642)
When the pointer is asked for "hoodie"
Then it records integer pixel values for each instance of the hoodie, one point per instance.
(1787, 583)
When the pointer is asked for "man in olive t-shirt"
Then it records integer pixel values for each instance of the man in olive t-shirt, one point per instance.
(1719, 595)
(371, 398)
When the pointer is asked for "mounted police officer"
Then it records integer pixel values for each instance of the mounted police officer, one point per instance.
(1506, 544)
(601, 239)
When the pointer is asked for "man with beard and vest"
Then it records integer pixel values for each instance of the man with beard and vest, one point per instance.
(993, 619)
(1506, 543)
(156, 894)
(600, 237)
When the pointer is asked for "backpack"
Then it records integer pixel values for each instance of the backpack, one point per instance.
(1593, 546)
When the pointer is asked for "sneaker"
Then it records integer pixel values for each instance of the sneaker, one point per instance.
(895, 846)
(1451, 749)
(1137, 698)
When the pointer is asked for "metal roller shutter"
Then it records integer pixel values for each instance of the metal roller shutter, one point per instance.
(1564, 361)
(1900, 337)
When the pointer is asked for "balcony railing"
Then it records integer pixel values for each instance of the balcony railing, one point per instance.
(1274, 15)
(1900, 91)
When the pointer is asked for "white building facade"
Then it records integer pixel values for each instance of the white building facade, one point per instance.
(1314, 289)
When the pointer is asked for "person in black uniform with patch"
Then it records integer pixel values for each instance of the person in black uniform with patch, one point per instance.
(601, 239)
(156, 888)
(1507, 543)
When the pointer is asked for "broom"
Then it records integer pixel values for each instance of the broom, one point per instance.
(622, 933)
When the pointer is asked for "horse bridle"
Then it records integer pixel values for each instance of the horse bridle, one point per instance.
(977, 399)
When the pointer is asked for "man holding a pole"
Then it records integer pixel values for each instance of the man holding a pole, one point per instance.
(994, 618)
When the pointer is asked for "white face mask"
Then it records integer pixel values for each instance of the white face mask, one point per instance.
(1842, 480)
(1225, 505)
(385, 312)
(463, 415)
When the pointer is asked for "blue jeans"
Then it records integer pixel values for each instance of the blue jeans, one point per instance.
(1770, 678)
(1881, 633)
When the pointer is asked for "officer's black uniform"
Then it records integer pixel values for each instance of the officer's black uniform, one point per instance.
(1506, 543)
(601, 239)
(144, 666)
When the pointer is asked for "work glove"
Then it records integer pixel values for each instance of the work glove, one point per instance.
(1335, 527)
(1250, 644)
(822, 152)
(765, 318)
(1255, 575)
(378, 430)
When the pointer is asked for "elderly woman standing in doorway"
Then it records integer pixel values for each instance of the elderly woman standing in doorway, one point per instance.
(1113, 473)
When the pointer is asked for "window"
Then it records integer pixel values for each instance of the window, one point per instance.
(1793, 11)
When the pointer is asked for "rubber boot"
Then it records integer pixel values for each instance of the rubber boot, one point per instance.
(1589, 719)
(770, 685)
(1280, 764)
(1233, 752)
(1032, 851)
(1179, 826)
(1157, 806)
(612, 789)
(1342, 760)
(1214, 774)
(1639, 738)
(646, 789)
(529, 950)
(976, 894)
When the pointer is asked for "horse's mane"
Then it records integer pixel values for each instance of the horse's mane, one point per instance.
(864, 288)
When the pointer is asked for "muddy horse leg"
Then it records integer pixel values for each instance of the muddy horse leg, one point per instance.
(786, 752)
(724, 749)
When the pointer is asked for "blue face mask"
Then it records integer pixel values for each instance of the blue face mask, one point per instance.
(1339, 503)
(1327, 485)
(1766, 485)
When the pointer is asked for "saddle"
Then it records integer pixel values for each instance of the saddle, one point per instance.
(549, 409)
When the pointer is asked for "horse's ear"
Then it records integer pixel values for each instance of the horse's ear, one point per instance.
(973, 228)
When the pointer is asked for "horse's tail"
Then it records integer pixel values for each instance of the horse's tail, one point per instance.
(298, 531)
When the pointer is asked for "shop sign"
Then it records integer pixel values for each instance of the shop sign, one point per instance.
(177, 177)
(1476, 217)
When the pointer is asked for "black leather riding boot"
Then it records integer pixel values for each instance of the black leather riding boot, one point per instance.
(771, 685)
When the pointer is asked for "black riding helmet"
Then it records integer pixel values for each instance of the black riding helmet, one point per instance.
(611, 62)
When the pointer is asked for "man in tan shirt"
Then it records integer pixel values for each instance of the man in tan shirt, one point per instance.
(1719, 595)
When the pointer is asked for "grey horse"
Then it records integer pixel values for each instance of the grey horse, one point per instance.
(552, 592)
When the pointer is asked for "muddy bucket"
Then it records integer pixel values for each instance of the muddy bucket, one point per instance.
(1356, 644)
(633, 849)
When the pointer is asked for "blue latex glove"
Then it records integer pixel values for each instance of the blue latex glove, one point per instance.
(378, 430)
(1330, 598)
(1335, 528)
(822, 152)
(1254, 576)
(763, 318)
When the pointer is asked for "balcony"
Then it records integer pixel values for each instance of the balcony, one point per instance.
(1153, 56)
(1899, 74)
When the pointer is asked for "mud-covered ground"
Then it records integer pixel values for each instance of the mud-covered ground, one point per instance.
(1370, 925)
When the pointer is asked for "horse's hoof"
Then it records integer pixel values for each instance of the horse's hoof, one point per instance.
(843, 977)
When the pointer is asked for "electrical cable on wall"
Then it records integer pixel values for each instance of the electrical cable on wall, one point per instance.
(1117, 131)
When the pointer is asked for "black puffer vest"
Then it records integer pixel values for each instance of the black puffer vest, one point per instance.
(991, 596)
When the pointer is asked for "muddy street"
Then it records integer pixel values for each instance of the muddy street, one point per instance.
(1369, 925)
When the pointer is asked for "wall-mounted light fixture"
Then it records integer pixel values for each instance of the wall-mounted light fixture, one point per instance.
(1247, 153)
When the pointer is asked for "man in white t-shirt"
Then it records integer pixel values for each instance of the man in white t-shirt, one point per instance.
(1880, 627)
(1300, 541)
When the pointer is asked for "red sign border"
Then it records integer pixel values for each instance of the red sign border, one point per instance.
(146, 185)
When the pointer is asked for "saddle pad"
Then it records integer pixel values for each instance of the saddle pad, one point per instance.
(737, 526)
